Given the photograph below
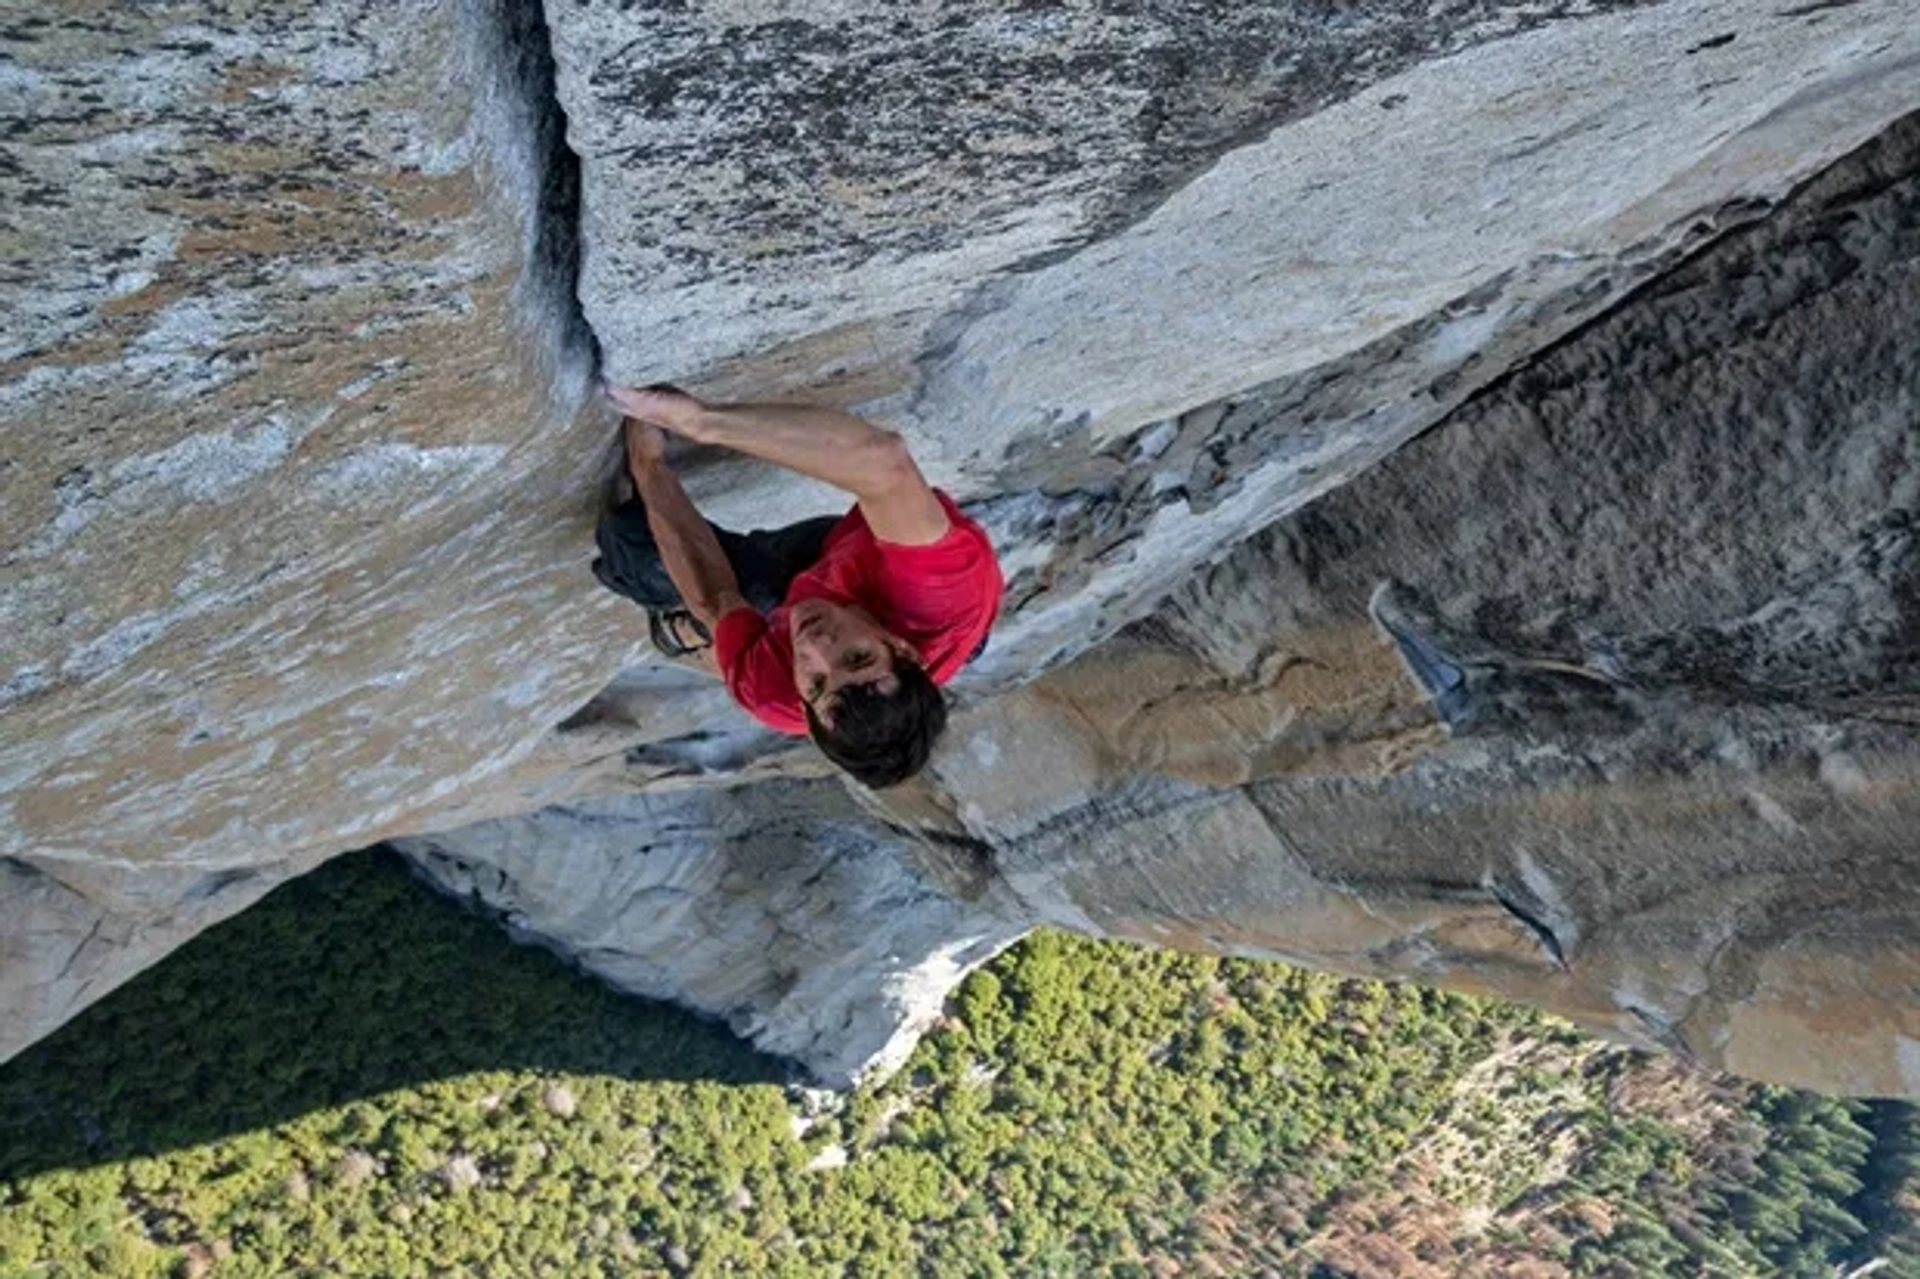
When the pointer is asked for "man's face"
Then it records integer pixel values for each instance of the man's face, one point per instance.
(836, 646)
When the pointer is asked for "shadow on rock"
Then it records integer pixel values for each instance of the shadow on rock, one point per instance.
(350, 982)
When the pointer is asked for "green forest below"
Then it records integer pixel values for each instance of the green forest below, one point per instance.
(359, 1077)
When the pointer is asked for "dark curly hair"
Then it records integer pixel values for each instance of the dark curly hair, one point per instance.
(882, 739)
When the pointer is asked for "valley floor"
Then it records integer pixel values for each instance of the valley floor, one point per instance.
(359, 1078)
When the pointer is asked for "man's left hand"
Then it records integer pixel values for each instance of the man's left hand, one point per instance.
(662, 406)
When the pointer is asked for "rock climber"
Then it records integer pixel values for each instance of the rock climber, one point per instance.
(839, 628)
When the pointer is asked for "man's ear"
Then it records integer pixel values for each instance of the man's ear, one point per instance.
(901, 648)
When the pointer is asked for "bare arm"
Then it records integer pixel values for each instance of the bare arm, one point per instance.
(835, 447)
(688, 548)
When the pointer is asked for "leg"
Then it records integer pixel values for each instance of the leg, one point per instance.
(629, 564)
(629, 561)
(766, 560)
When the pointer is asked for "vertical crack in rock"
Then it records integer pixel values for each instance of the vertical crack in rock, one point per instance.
(525, 131)
(322, 570)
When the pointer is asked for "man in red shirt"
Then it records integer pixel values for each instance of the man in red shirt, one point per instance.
(839, 628)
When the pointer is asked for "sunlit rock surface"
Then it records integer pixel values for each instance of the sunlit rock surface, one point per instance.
(295, 490)
(782, 907)
(1015, 229)
(1601, 695)
(301, 465)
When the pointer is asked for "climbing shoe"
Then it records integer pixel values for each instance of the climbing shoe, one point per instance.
(677, 632)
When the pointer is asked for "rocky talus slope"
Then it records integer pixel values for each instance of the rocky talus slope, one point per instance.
(1455, 474)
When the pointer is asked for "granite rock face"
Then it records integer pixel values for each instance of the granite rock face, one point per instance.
(1010, 227)
(1530, 481)
(1600, 696)
(782, 907)
(296, 486)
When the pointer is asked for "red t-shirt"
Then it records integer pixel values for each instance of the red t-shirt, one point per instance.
(941, 598)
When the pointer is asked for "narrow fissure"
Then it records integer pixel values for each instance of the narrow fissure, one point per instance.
(525, 130)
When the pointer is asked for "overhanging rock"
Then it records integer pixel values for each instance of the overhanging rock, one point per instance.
(1385, 212)
(783, 907)
(1655, 762)
(296, 495)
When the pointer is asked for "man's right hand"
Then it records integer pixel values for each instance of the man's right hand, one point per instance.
(659, 406)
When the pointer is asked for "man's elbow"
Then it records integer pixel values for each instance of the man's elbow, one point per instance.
(891, 467)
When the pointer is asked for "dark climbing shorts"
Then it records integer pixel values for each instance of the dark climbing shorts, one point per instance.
(766, 560)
